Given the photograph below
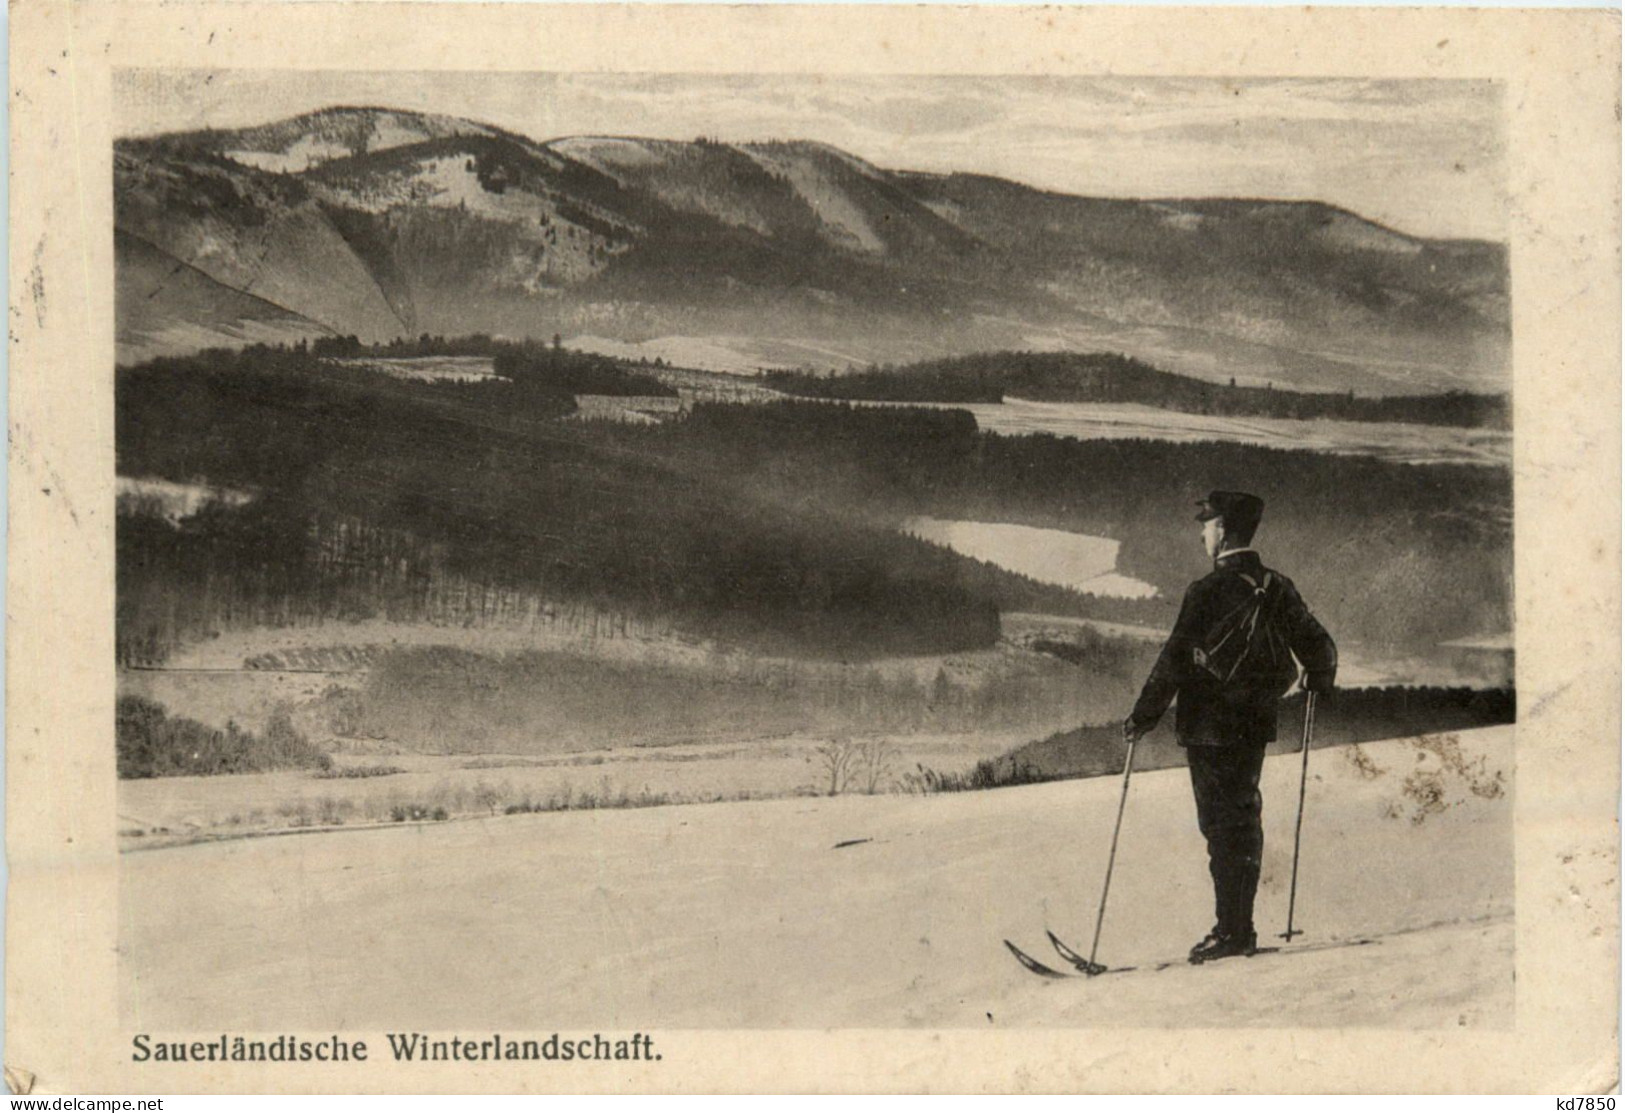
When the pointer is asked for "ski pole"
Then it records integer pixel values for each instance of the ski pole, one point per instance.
(1297, 837)
(1094, 967)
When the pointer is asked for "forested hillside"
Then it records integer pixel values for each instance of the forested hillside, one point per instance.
(462, 502)
(773, 525)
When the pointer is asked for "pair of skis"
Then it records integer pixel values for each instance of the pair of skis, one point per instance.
(1092, 968)
(1081, 965)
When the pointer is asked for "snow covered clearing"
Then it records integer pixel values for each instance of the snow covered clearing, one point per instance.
(429, 369)
(750, 914)
(1075, 560)
(1395, 441)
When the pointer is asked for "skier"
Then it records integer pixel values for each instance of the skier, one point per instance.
(1227, 661)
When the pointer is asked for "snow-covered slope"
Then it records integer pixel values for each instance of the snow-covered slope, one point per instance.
(752, 915)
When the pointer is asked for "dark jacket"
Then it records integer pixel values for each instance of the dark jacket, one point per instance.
(1216, 713)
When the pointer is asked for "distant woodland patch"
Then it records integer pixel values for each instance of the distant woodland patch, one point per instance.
(534, 366)
(152, 743)
(1109, 377)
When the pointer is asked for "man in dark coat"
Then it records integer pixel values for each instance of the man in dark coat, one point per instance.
(1225, 721)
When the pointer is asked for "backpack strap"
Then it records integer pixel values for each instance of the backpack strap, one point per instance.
(1259, 588)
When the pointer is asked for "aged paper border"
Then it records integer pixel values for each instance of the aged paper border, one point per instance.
(1561, 75)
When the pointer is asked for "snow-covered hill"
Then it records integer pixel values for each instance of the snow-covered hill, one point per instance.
(851, 911)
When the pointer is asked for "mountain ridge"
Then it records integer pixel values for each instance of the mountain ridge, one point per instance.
(378, 222)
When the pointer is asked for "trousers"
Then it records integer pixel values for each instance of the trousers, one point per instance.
(1229, 812)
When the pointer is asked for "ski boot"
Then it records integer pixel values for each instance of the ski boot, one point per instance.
(1224, 944)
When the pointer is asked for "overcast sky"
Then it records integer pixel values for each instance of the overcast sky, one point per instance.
(1425, 157)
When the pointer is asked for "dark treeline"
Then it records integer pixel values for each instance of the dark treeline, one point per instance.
(152, 743)
(575, 373)
(405, 347)
(1397, 557)
(1108, 377)
(547, 368)
(1342, 718)
(443, 486)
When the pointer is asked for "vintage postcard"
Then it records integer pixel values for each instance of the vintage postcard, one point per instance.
(813, 548)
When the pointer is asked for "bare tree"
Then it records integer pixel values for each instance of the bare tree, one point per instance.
(874, 764)
(837, 757)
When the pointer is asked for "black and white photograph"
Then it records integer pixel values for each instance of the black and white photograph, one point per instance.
(699, 552)
(598, 556)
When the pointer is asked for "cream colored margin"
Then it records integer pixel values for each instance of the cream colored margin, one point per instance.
(1561, 74)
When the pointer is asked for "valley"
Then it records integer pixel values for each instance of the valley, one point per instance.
(449, 584)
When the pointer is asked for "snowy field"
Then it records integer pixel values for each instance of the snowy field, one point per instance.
(850, 911)
(745, 356)
(429, 369)
(1075, 560)
(737, 766)
(1393, 441)
(175, 501)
